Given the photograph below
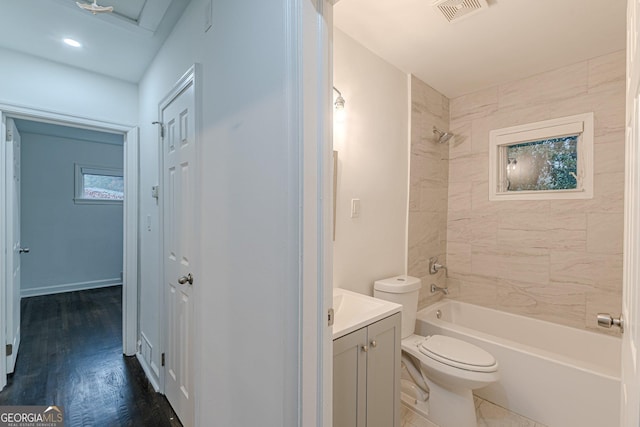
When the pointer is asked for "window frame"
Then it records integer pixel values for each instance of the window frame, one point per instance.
(499, 139)
(81, 170)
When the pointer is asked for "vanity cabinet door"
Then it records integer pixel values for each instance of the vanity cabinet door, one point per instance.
(383, 373)
(350, 380)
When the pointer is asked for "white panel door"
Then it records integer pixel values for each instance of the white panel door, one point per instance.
(13, 240)
(630, 409)
(178, 151)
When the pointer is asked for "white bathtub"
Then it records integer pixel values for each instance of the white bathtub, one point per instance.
(553, 374)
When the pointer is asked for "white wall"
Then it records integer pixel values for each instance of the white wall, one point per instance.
(73, 246)
(371, 137)
(36, 83)
(246, 291)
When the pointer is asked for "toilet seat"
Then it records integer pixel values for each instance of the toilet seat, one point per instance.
(458, 354)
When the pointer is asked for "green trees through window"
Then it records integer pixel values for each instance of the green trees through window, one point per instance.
(549, 164)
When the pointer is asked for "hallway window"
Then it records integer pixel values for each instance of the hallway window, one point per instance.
(98, 185)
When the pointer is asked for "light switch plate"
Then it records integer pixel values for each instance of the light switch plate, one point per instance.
(355, 208)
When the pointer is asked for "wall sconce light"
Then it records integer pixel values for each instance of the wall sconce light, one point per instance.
(339, 103)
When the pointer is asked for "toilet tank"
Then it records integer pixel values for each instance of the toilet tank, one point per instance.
(402, 290)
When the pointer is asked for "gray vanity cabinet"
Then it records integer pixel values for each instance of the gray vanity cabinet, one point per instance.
(366, 376)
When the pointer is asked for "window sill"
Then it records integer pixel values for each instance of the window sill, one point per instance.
(79, 201)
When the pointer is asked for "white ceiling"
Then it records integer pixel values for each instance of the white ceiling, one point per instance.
(510, 40)
(120, 45)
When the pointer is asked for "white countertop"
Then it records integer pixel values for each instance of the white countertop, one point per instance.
(353, 311)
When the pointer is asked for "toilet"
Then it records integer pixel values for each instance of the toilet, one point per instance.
(444, 369)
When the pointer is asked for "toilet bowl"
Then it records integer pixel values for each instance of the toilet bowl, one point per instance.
(449, 367)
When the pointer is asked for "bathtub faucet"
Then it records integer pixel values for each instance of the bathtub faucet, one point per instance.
(435, 289)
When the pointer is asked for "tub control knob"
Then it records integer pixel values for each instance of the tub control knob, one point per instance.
(605, 320)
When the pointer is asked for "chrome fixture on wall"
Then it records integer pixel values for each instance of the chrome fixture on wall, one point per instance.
(605, 320)
(434, 267)
(441, 137)
(435, 289)
(339, 103)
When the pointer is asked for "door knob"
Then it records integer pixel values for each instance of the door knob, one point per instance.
(374, 343)
(605, 320)
(185, 279)
(23, 250)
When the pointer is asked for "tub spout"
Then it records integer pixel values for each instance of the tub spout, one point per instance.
(435, 289)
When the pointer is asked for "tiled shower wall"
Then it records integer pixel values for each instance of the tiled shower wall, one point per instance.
(558, 260)
(429, 171)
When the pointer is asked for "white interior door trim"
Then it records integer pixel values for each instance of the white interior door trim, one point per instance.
(3, 242)
(313, 111)
(193, 76)
(130, 223)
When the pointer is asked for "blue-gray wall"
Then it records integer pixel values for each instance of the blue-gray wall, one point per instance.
(73, 246)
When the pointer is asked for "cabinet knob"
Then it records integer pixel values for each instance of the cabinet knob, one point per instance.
(374, 344)
(365, 348)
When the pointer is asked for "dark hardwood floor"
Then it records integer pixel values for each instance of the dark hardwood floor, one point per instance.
(71, 356)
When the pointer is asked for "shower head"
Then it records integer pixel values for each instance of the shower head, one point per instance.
(442, 137)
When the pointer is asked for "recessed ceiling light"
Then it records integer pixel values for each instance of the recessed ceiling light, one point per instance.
(72, 42)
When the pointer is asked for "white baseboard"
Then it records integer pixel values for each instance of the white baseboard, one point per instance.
(69, 287)
(148, 372)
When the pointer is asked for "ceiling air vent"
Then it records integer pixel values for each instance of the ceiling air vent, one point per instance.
(453, 10)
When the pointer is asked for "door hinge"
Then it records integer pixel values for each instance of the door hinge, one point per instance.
(162, 359)
(330, 317)
(9, 349)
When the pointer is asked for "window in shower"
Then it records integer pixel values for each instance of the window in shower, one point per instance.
(544, 160)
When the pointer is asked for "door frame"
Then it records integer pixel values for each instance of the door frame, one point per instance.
(193, 77)
(130, 212)
(312, 126)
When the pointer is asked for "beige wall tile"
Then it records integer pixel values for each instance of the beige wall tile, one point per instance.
(605, 233)
(480, 198)
(545, 88)
(429, 179)
(608, 153)
(424, 98)
(477, 290)
(458, 259)
(542, 301)
(469, 168)
(459, 227)
(433, 199)
(602, 271)
(608, 196)
(480, 129)
(459, 196)
(460, 144)
(607, 69)
(415, 195)
(545, 259)
(475, 105)
(485, 261)
(570, 240)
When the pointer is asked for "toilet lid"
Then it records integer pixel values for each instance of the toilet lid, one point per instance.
(457, 353)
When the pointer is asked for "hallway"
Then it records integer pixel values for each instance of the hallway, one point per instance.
(71, 356)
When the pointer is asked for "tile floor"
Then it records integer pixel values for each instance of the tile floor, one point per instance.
(488, 414)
